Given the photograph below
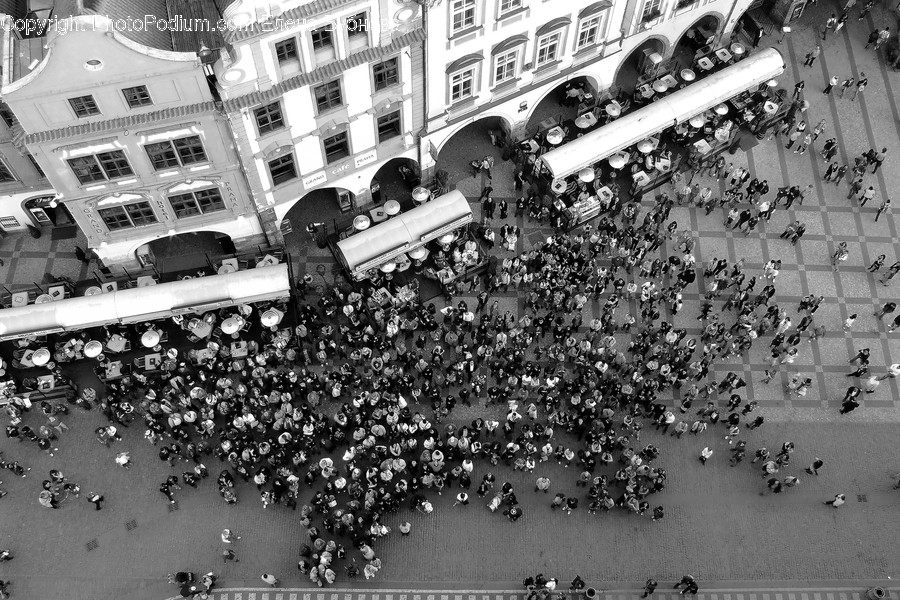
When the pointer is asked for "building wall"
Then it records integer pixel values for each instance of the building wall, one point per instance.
(521, 33)
(181, 108)
(253, 75)
(27, 181)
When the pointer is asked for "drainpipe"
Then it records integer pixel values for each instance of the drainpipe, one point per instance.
(424, 81)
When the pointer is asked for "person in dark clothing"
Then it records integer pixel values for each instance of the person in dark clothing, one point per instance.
(81, 255)
(649, 586)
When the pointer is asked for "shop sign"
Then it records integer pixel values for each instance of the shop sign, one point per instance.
(341, 169)
(314, 180)
(366, 158)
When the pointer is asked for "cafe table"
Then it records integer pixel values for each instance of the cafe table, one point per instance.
(267, 261)
(723, 55)
(46, 382)
(670, 81)
(705, 63)
(613, 109)
(239, 349)
(113, 369)
(646, 90)
(116, 343)
(57, 292)
(203, 330)
(586, 120)
(20, 299)
(641, 178)
(151, 362)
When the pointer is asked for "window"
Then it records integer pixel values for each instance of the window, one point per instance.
(34, 163)
(128, 216)
(9, 222)
(5, 174)
(358, 31)
(462, 14)
(176, 153)
(200, 202)
(505, 66)
(103, 166)
(323, 43)
(137, 96)
(286, 51)
(509, 6)
(651, 10)
(588, 32)
(282, 169)
(336, 147)
(84, 106)
(548, 48)
(328, 96)
(389, 126)
(268, 118)
(386, 74)
(461, 85)
(7, 115)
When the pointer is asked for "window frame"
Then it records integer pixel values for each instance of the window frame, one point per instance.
(323, 50)
(131, 215)
(6, 174)
(515, 65)
(140, 96)
(267, 112)
(345, 142)
(100, 163)
(584, 27)
(513, 6)
(204, 201)
(328, 102)
(8, 116)
(396, 118)
(467, 10)
(540, 46)
(175, 152)
(650, 6)
(361, 31)
(387, 83)
(34, 163)
(467, 71)
(84, 106)
(288, 156)
(287, 58)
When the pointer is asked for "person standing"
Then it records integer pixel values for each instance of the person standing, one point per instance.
(829, 24)
(269, 579)
(846, 84)
(830, 86)
(878, 158)
(705, 455)
(228, 536)
(892, 270)
(830, 171)
(886, 309)
(95, 499)
(867, 195)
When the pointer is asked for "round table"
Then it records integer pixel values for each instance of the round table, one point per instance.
(391, 208)
(361, 222)
(150, 338)
(770, 108)
(613, 110)
(93, 349)
(688, 75)
(272, 317)
(225, 269)
(660, 86)
(93, 291)
(230, 325)
(40, 357)
(555, 137)
(583, 122)
(43, 298)
(421, 194)
(737, 49)
(558, 186)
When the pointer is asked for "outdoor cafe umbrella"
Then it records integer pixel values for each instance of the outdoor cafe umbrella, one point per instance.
(271, 317)
(230, 325)
(150, 338)
(93, 349)
(617, 161)
(40, 357)
(586, 175)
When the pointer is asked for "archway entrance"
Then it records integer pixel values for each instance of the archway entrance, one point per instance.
(699, 35)
(639, 62)
(185, 251)
(563, 103)
(394, 180)
(46, 211)
(323, 206)
(472, 142)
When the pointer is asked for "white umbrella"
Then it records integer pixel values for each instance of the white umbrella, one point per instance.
(721, 109)
(418, 254)
(697, 121)
(645, 146)
(40, 357)
(230, 325)
(388, 267)
(586, 175)
(150, 338)
(93, 349)
(617, 161)
(271, 317)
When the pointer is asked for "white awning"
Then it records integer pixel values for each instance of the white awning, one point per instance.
(665, 112)
(136, 305)
(382, 242)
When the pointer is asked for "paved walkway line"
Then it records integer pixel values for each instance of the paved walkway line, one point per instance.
(844, 593)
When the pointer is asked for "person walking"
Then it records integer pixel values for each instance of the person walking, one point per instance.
(830, 171)
(846, 84)
(885, 206)
(705, 455)
(886, 309)
(860, 86)
(649, 587)
(229, 554)
(892, 270)
(830, 86)
(229, 537)
(817, 464)
(878, 159)
(95, 499)
(867, 195)
(819, 129)
(829, 24)
(838, 500)
(270, 579)
(876, 264)
(812, 55)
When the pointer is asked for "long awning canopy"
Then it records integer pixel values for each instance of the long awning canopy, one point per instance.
(407, 231)
(136, 305)
(666, 112)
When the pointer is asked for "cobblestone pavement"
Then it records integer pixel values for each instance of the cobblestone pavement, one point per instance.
(720, 526)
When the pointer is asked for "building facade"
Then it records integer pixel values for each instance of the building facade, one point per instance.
(320, 96)
(124, 124)
(500, 58)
